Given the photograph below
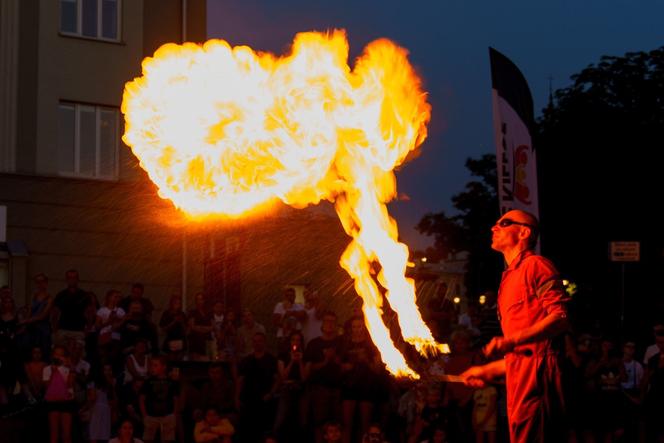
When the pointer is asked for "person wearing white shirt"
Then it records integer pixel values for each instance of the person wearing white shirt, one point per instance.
(286, 309)
(314, 319)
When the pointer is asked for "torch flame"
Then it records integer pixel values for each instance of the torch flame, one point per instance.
(226, 131)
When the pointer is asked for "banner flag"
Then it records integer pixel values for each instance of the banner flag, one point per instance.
(513, 120)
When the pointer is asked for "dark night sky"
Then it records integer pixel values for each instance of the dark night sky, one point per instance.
(448, 43)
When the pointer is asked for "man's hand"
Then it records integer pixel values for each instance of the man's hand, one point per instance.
(498, 346)
(475, 377)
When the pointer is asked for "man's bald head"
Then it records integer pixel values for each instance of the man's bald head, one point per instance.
(528, 219)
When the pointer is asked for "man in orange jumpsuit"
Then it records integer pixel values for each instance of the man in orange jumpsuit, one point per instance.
(532, 310)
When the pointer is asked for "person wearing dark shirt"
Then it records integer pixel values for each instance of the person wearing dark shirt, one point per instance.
(653, 385)
(158, 400)
(323, 358)
(137, 294)
(173, 324)
(70, 305)
(200, 330)
(135, 326)
(257, 382)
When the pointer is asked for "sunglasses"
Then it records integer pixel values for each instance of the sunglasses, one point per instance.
(507, 222)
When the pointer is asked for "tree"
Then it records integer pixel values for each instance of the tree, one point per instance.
(470, 229)
(598, 156)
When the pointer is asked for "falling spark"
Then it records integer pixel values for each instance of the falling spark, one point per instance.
(228, 131)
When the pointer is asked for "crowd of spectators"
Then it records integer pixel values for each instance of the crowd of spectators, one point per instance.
(75, 368)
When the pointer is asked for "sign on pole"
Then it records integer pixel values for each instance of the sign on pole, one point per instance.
(625, 251)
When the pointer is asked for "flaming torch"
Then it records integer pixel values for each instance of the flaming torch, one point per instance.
(227, 131)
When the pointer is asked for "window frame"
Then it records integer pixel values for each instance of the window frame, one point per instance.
(98, 109)
(79, 22)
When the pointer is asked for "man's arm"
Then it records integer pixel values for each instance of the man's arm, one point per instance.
(477, 376)
(550, 326)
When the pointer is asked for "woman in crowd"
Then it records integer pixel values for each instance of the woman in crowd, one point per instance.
(109, 319)
(173, 324)
(33, 372)
(102, 401)
(138, 362)
(38, 321)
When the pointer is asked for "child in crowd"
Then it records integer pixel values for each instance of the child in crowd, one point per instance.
(332, 432)
(213, 428)
(485, 414)
(126, 434)
(59, 396)
(158, 401)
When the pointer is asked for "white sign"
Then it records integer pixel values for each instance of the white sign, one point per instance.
(625, 251)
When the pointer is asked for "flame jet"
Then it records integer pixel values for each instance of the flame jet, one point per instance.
(228, 131)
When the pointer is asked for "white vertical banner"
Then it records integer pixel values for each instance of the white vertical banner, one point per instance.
(513, 118)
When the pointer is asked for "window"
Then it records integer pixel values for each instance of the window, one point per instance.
(88, 141)
(91, 18)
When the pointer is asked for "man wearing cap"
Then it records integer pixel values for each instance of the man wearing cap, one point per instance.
(532, 311)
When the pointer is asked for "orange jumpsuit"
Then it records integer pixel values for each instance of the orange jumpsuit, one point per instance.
(530, 290)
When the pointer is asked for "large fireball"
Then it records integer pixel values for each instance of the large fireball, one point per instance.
(226, 130)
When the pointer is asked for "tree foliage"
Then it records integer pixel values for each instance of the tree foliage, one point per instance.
(598, 149)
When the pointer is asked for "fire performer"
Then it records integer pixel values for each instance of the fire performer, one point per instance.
(532, 310)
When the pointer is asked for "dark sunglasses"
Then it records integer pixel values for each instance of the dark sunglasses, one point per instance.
(507, 222)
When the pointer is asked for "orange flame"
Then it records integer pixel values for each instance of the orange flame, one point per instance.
(224, 130)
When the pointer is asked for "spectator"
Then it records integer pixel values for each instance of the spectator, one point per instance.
(137, 362)
(109, 320)
(102, 401)
(485, 414)
(227, 339)
(246, 331)
(158, 401)
(200, 330)
(217, 316)
(136, 326)
(69, 311)
(609, 373)
(256, 387)
(38, 321)
(287, 310)
(137, 294)
(432, 416)
(218, 392)
(129, 404)
(322, 356)
(314, 315)
(331, 432)
(459, 398)
(653, 387)
(374, 434)
(631, 388)
(173, 324)
(657, 330)
(34, 370)
(213, 428)
(360, 366)
(58, 379)
(126, 433)
(10, 363)
(292, 376)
